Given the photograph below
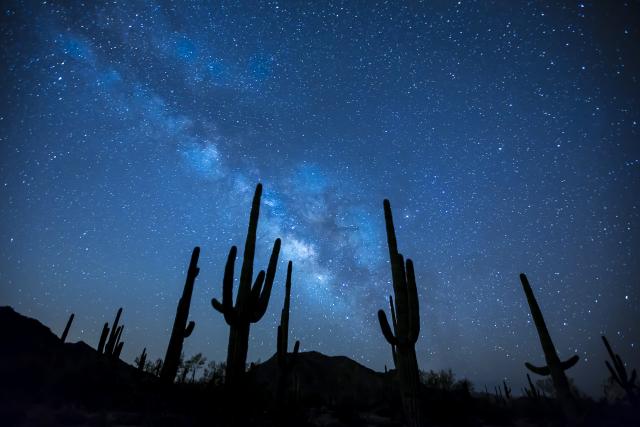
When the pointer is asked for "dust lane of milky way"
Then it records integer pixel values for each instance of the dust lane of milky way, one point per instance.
(505, 136)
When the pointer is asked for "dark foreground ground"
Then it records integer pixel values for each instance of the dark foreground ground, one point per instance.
(44, 382)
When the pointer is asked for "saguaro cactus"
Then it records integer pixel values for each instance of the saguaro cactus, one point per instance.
(113, 346)
(619, 373)
(63, 337)
(406, 324)
(251, 301)
(286, 361)
(554, 366)
(180, 328)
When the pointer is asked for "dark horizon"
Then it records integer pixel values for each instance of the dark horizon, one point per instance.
(504, 135)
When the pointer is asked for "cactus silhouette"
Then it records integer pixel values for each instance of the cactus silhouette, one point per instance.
(113, 346)
(554, 366)
(531, 392)
(251, 301)
(405, 318)
(286, 361)
(507, 390)
(142, 359)
(63, 337)
(619, 373)
(180, 329)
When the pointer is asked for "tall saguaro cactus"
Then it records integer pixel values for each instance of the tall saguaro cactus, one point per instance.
(286, 361)
(180, 328)
(406, 324)
(251, 301)
(554, 366)
(63, 337)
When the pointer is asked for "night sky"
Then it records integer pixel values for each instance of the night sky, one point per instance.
(505, 134)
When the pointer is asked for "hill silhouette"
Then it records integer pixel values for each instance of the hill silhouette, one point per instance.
(47, 382)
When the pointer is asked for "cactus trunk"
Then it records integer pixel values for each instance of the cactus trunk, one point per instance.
(237, 352)
(180, 329)
(554, 366)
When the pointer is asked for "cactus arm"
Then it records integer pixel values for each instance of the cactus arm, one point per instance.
(386, 329)
(394, 322)
(227, 283)
(540, 370)
(570, 362)
(226, 306)
(263, 302)
(246, 273)
(103, 337)
(189, 329)
(257, 287)
(217, 305)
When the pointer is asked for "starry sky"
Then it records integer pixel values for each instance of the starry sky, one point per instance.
(504, 133)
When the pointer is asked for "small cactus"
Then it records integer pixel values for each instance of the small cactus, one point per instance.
(405, 318)
(507, 390)
(142, 359)
(181, 329)
(286, 361)
(554, 367)
(251, 301)
(531, 392)
(63, 337)
(619, 373)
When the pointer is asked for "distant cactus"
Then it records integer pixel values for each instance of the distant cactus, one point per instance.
(286, 361)
(63, 337)
(406, 324)
(251, 301)
(180, 329)
(113, 346)
(141, 360)
(531, 392)
(507, 390)
(619, 373)
(554, 367)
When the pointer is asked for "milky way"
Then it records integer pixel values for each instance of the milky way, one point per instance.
(505, 135)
